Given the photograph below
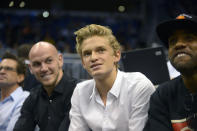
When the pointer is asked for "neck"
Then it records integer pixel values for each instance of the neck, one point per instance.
(6, 91)
(190, 82)
(49, 89)
(104, 85)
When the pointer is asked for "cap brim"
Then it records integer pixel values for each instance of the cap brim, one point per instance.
(165, 29)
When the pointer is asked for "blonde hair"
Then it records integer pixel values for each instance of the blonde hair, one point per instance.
(96, 30)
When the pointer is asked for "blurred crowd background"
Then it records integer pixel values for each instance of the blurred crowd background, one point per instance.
(132, 21)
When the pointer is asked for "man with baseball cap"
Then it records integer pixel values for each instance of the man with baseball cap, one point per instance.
(173, 106)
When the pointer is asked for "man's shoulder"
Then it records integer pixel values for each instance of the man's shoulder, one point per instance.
(26, 94)
(137, 76)
(86, 83)
(170, 88)
(171, 84)
(70, 80)
(85, 86)
(84, 89)
(137, 79)
(19, 95)
(35, 92)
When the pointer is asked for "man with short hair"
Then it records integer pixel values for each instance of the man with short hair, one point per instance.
(12, 74)
(48, 105)
(113, 100)
(173, 106)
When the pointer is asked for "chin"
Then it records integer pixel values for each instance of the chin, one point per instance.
(47, 83)
(98, 75)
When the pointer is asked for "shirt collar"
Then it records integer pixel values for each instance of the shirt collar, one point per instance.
(59, 88)
(115, 90)
(94, 90)
(14, 95)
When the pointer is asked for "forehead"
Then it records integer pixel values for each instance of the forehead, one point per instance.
(8, 62)
(40, 58)
(181, 32)
(42, 54)
(94, 42)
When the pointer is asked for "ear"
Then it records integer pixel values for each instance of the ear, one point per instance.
(60, 60)
(82, 62)
(117, 55)
(20, 78)
(30, 69)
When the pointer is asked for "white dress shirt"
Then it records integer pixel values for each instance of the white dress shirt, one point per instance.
(126, 106)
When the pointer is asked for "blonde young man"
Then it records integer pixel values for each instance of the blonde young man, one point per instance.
(113, 100)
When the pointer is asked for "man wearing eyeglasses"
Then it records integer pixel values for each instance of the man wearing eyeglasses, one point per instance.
(12, 74)
(173, 106)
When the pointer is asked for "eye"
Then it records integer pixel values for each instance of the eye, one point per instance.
(100, 50)
(189, 38)
(48, 61)
(87, 53)
(36, 64)
(172, 41)
(8, 68)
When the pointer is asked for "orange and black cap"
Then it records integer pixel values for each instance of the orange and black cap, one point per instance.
(183, 21)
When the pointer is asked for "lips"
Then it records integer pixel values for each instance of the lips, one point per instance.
(181, 54)
(2, 77)
(45, 76)
(95, 66)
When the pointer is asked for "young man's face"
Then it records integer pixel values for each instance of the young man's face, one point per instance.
(46, 65)
(183, 50)
(8, 73)
(98, 57)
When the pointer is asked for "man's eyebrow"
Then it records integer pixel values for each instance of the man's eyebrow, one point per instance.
(87, 50)
(49, 57)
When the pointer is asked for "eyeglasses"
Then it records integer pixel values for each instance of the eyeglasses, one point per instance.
(7, 68)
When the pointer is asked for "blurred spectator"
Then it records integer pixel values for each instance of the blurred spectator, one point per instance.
(49, 38)
(30, 80)
(12, 74)
(23, 28)
(23, 52)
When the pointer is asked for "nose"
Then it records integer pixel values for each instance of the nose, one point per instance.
(2, 71)
(44, 67)
(94, 56)
(180, 44)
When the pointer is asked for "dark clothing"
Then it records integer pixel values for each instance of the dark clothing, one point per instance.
(49, 113)
(30, 81)
(170, 105)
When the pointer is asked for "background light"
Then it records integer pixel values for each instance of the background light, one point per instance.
(121, 8)
(11, 4)
(22, 4)
(45, 14)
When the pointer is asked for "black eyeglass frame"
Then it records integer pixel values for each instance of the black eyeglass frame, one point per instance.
(8, 68)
